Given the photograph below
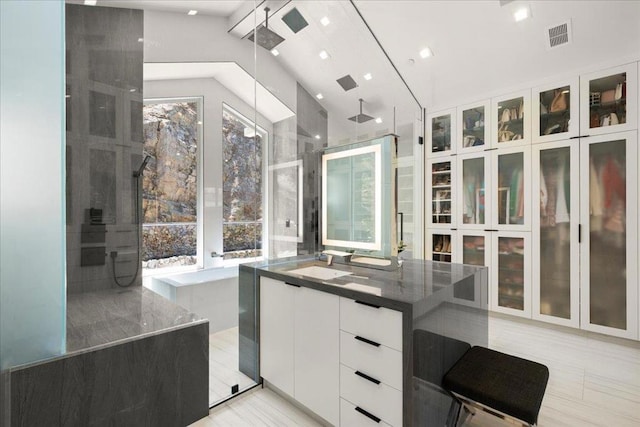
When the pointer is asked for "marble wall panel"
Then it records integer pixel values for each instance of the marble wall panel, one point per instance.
(160, 380)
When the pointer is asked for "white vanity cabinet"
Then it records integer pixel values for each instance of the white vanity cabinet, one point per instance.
(299, 345)
(370, 364)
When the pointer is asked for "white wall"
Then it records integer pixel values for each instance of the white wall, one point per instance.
(177, 37)
(214, 95)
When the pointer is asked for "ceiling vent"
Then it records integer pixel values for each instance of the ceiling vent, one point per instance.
(558, 35)
(347, 83)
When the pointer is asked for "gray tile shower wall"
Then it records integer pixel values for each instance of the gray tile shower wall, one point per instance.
(104, 62)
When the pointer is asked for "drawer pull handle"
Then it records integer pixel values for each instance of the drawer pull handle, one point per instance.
(368, 304)
(364, 340)
(292, 284)
(367, 414)
(367, 377)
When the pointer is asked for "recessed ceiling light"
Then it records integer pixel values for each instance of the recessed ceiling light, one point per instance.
(325, 21)
(379, 120)
(368, 76)
(426, 52)
(521, 14)
(140, 40)
(90, 2)
(317, 136)
(323, 54)
(192, 12)
(132, 90)
(67, 96)
(319, 96)
(275, 52)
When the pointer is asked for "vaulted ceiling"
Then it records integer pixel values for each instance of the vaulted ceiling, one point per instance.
(478, 48)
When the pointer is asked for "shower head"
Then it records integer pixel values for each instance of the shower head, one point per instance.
(140, 170)
(361, 118)
(266, 38)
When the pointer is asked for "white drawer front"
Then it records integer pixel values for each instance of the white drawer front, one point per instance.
(384, 402)
(350, 417)
(382, 362)
(381, 325)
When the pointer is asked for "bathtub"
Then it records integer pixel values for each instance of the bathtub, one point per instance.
(211, 293)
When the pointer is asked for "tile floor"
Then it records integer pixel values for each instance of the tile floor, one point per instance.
(594, 381)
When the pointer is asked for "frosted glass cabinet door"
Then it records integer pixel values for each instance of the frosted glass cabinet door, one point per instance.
(511, 115)
(511, 281)
(472, 191)
(473, 127)
(441, 133)
(473, 247)
(609, 217)
(555, 233)
(440, 198)
(609, 100)
(511, 192)
(555, 111)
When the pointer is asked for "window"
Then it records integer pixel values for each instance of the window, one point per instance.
(242, 178)
(170, 226)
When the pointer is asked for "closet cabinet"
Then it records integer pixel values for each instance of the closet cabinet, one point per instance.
(441, 133)
(609, 100)
(511, 116)
(609, 218)
(472, 247)
(511, 189)
(474, 125)
(472, 185)
(555, 109)
(546, 188)
(440, 244)
(556, 263)
(511, 279)
(441, 178)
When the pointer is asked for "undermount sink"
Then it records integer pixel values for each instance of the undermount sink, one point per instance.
(320, 273)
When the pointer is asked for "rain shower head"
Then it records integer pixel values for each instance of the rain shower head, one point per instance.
(361, 118)
(266, 38)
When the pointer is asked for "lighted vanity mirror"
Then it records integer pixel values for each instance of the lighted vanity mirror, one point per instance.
(358, 197)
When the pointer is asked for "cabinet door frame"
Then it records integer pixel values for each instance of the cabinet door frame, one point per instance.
(429, 149)
(574, 229)
(429, 192)
(632, 100)
(631, 168)
(494, 288)
(488, 117)
(574, 103)
(526, 169)
(488, 189)
(496, 114)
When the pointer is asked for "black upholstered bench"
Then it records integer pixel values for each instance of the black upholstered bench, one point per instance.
(504, 385)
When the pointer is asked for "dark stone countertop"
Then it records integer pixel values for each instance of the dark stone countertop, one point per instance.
(412, 284)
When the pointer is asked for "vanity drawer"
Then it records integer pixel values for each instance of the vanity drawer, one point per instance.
(384, 401)
(378, 324)
(350, 416)
(381, 362)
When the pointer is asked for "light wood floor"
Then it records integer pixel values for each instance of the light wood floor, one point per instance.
(223, 365)
(594, 381)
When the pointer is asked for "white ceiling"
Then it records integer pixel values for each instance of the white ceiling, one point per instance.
(478, 48)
